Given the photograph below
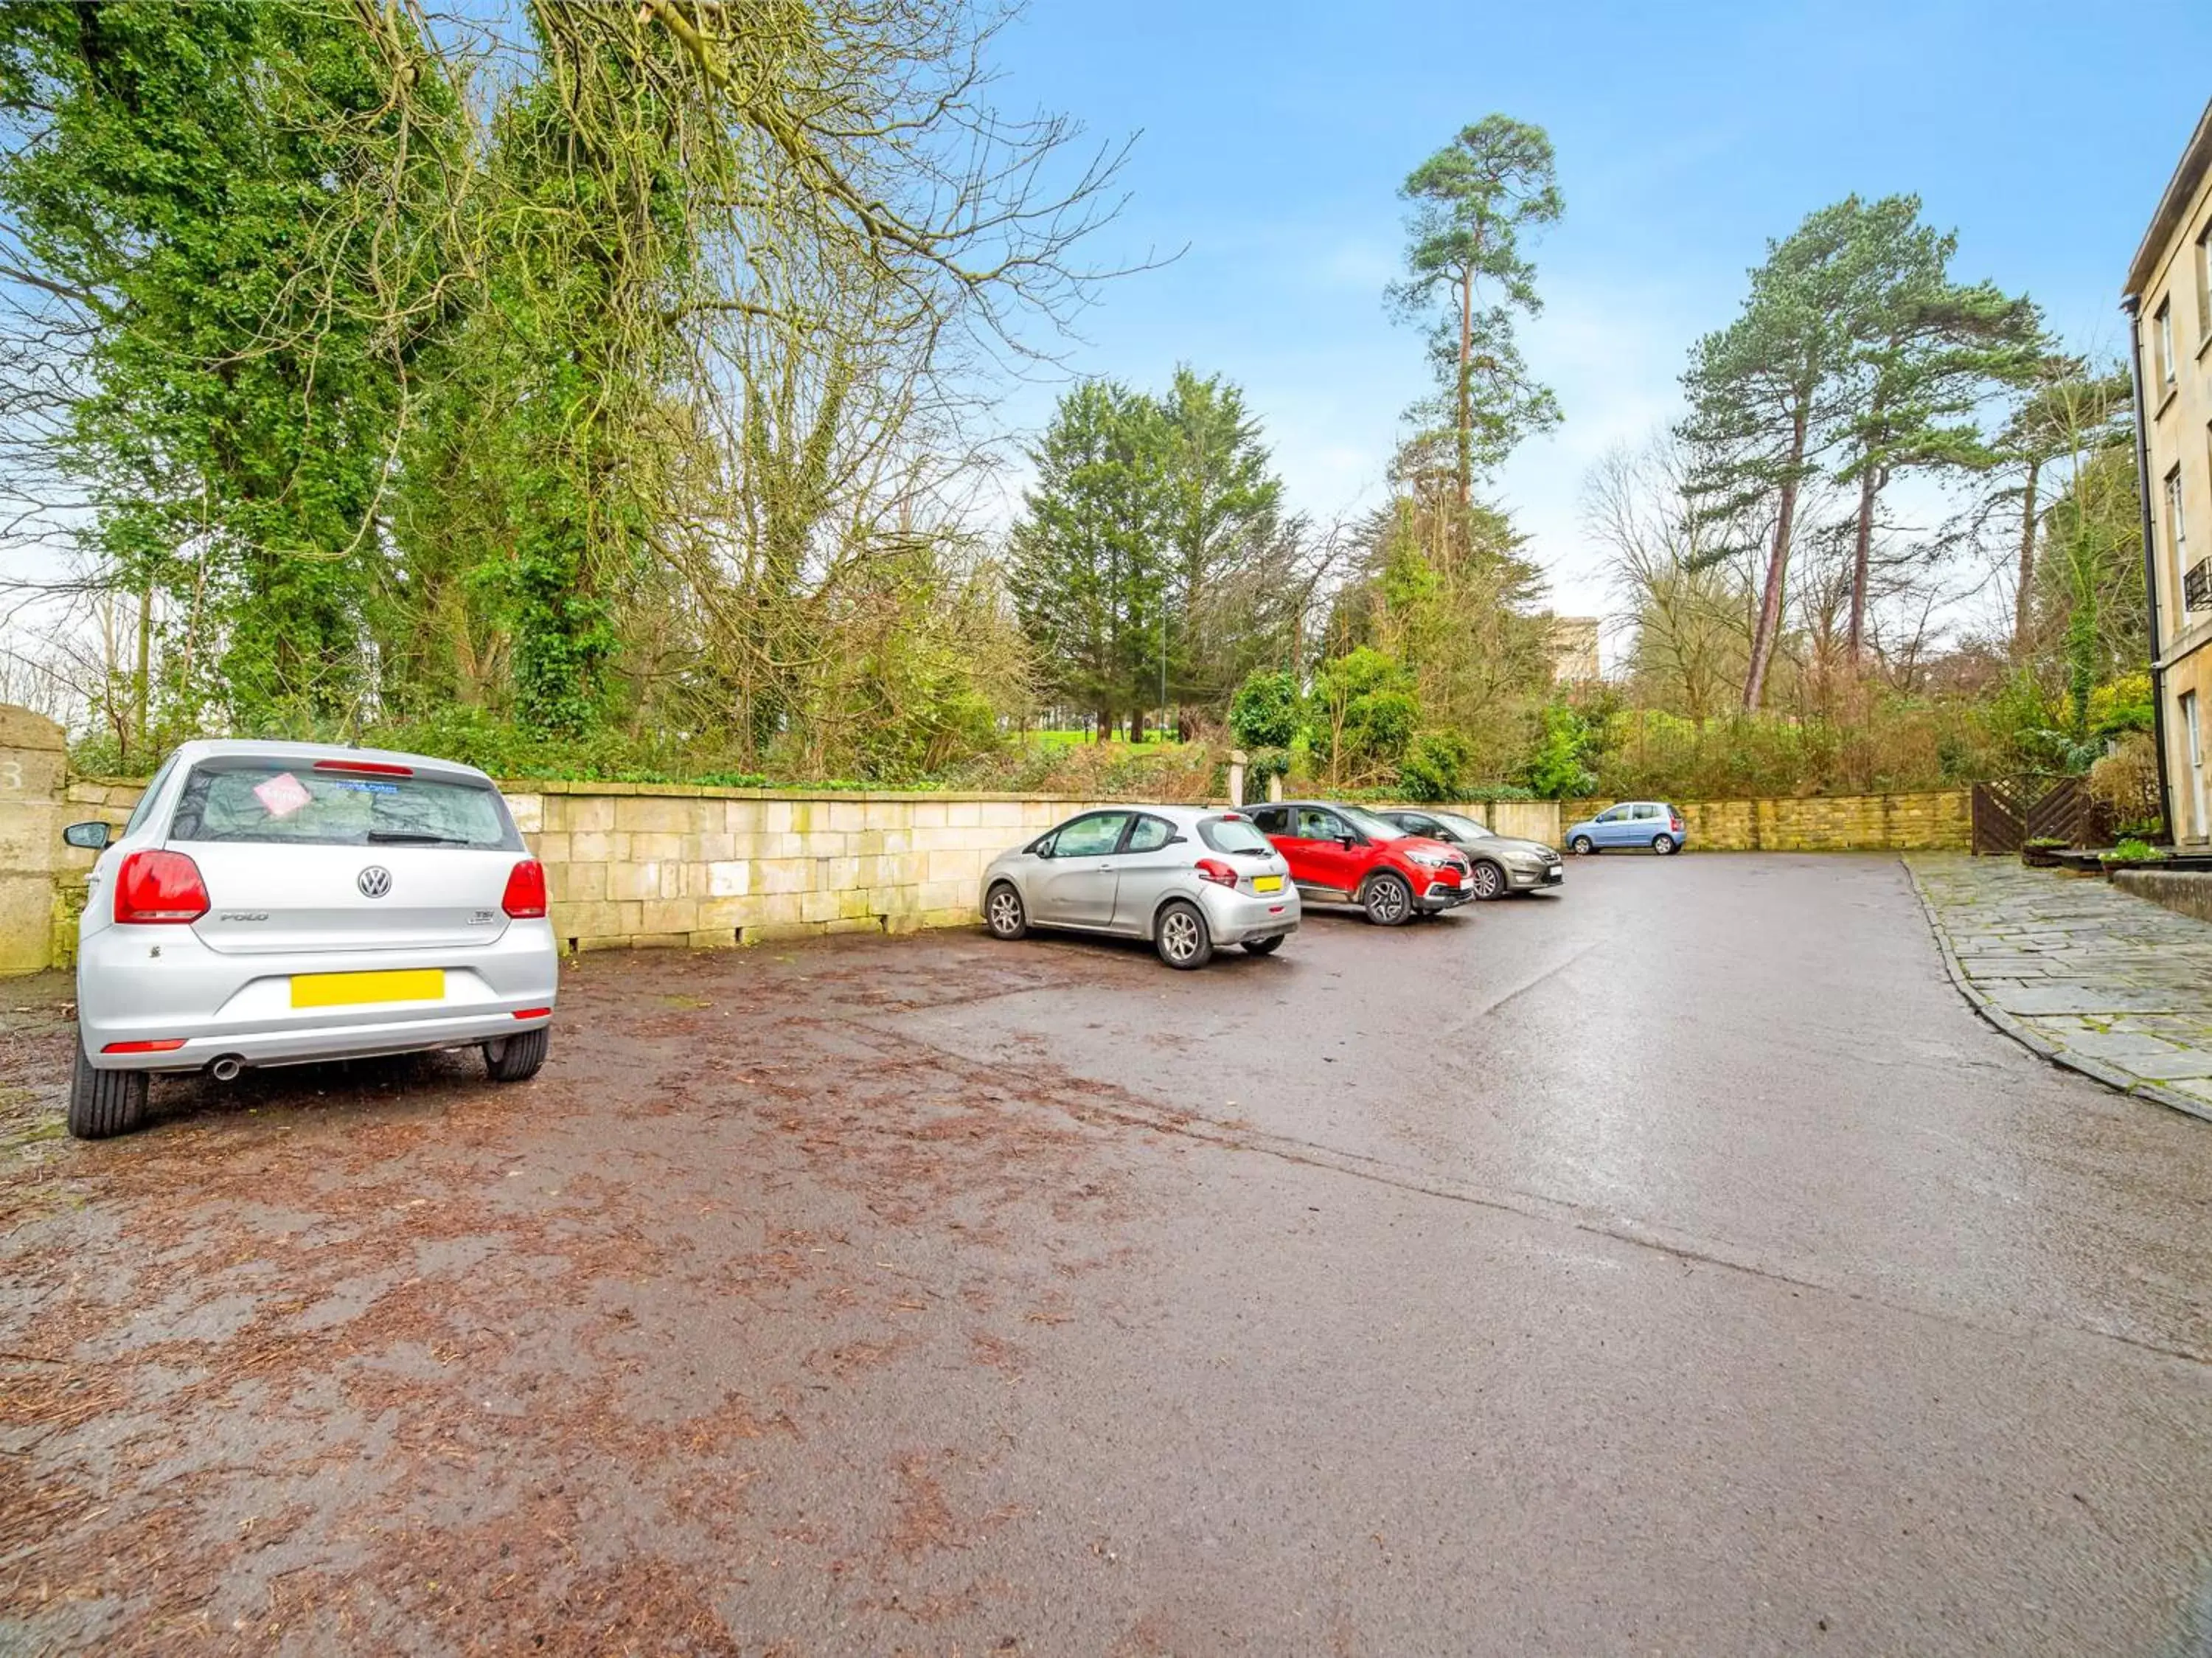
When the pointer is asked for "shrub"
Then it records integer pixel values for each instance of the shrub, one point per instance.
(1366, 714)
(1266, 711)
(1261, 765)
(2124, 783)
(2134, 852)
(1435, 767)
(1558, 766)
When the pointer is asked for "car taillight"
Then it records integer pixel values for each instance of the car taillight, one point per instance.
(160, 888)
(1215, 870)
(372, 768)
(525, 898)
(1675, 824)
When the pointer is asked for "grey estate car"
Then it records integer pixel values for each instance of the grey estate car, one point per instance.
(271, 904)
(1497, 864)
(1189, 878)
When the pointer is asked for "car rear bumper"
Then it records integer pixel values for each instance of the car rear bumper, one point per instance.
(1242, 918)
(240, 1006)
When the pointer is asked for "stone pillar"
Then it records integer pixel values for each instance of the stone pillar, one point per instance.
(1275, 787)
(1236, 779)
(34, 763)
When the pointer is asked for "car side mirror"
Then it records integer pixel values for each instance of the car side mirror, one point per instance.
(89, 837)
(1347, 841)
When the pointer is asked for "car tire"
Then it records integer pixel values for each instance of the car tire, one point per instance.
(1487, 880)
(1004, 912)
(1266, 946)
(1388, 900)
(1180, 936)
(1583, 846)
(1663, 845)
(105, 1103)
(517, 1058)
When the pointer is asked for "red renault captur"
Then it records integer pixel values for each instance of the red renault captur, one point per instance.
(1341, 854)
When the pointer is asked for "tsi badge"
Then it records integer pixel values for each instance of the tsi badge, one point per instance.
(375, 882)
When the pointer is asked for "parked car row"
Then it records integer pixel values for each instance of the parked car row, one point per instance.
(276, 904)
(1191, 879)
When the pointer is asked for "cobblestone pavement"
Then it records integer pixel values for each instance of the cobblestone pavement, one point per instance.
(2105, 983)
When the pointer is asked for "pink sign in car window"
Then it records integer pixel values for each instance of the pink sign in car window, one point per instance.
(282, 794)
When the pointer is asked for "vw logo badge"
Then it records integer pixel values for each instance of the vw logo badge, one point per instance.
(375, 882)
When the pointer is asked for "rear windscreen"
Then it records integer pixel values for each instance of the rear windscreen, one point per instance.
(1232, 835)
(298, 806)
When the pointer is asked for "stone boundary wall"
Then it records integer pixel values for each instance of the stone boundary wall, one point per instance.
(33, 769)
(1936, 821)
(1528, 820)
(670, 865)
(647, 865)
(2184, 891)
(643, 864)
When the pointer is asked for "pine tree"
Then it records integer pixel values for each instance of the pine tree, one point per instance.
(1930, 353)
(1473, 200)
(1769, 393)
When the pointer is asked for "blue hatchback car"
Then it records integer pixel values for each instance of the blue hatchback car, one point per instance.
(1633, 823)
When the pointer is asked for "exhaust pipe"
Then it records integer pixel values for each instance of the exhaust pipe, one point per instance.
(226, 1068)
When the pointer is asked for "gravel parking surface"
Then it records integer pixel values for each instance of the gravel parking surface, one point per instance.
(1675, 1264)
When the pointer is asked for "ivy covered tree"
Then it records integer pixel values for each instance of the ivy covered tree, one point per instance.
(239, 214)
(597, 369)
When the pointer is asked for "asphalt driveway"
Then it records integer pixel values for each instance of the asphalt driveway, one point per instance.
(1676, 1266)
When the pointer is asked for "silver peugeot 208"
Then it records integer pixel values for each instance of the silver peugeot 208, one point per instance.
(271, 904)
(1188, 878)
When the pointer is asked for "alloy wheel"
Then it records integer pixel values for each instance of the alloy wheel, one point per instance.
(1004, 912)
(1388, 900)
(1486, 882)
(1179, 936)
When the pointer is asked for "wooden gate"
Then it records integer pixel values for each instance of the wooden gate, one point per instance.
(2000, 817)
(2013, 811)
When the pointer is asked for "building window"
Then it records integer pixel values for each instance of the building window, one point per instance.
(2177, 542)
(2166, 343)
(2192, 729)
(2204, 287)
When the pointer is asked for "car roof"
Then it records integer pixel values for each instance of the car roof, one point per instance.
(1180, 815)
(226, 749)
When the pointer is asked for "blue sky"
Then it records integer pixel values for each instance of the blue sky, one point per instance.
(1274, 137)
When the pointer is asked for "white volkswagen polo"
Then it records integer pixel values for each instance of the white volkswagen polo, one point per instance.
(271, 904)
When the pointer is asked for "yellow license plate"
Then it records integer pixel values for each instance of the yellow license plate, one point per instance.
(1267, 883)
(351, 989)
